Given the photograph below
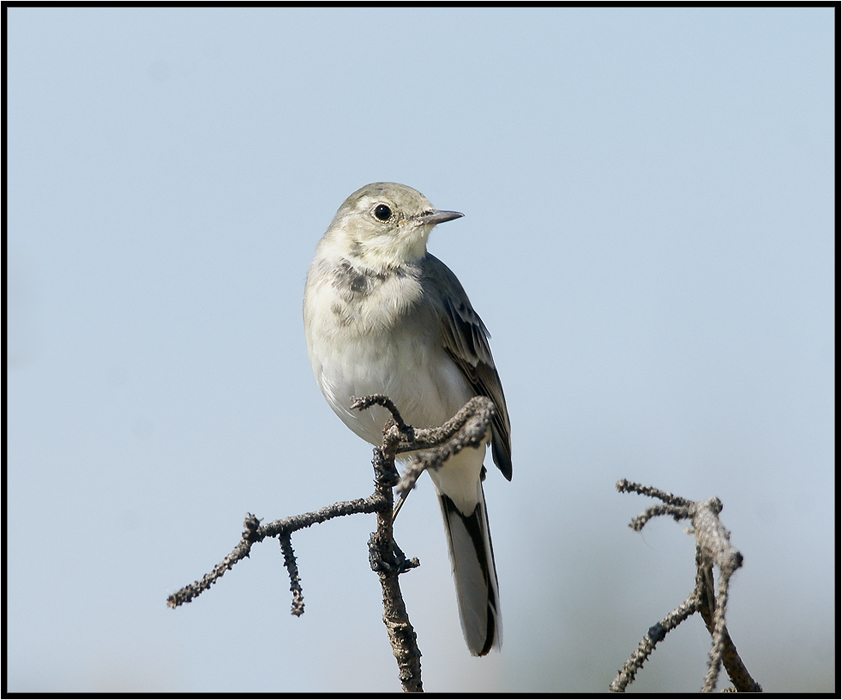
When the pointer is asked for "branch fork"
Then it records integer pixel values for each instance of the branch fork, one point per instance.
(713, 548)
(433, 446)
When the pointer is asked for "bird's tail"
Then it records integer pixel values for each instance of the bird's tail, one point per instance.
(469, 541)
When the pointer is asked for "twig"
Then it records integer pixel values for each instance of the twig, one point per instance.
(656, 633)
(294, 579)
(363, 403)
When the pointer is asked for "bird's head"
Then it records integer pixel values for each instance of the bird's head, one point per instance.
(385, 224)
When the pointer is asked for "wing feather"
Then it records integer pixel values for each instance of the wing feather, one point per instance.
(465, 338)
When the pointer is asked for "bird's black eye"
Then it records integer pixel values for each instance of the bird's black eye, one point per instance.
(382, 212)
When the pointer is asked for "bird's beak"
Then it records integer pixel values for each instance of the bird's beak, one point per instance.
(438, 217)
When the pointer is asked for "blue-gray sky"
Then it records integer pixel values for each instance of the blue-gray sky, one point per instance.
(649, 236)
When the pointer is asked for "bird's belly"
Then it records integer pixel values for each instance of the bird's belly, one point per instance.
(427, 388)
(412, 369)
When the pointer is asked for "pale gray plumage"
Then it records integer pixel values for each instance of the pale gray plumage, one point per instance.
(383, 316)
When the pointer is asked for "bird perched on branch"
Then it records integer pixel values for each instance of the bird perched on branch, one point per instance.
(383, 316)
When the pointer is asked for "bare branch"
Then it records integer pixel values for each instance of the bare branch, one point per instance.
(656, 633)
(713, 538)
(675, 506)
(713, 547)
(254, 532)
(625, 486)
(389, 562)
(711, 610)
(466, 429)
(469, 427)
(677, 513)
(294, 579)
(363, 403)
(241, 551)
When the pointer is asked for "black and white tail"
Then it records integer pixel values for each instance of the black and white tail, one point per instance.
(472, 557)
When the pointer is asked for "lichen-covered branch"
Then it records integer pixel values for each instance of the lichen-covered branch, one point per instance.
(713, 548)
(708, 603)
(255, 532)
(656, 633)
(467, 428)
(389, 562)
(294, 579)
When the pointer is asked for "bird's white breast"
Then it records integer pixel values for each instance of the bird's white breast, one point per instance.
(382, 342)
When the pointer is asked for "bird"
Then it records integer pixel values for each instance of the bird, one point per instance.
(384, 316)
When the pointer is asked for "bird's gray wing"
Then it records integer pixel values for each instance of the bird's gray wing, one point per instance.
(465, 338)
